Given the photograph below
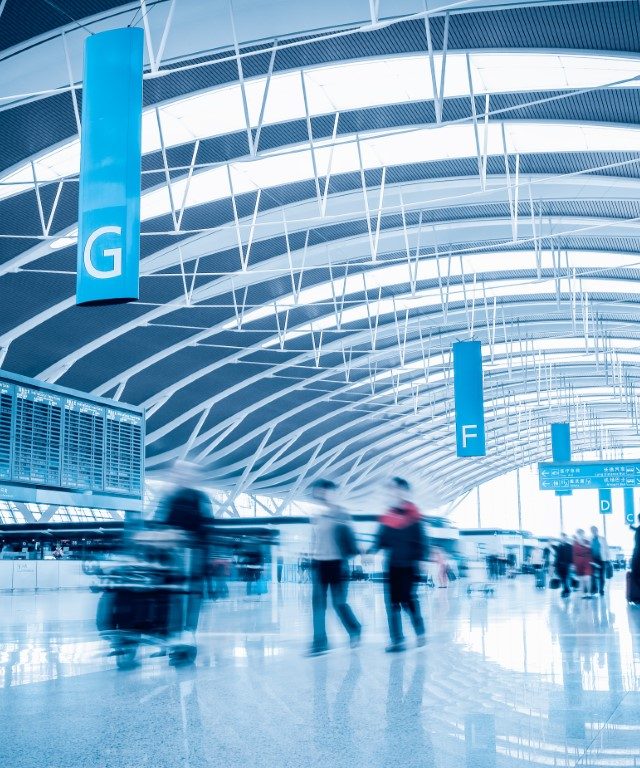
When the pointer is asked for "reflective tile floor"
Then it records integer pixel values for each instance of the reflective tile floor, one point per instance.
(518, 679)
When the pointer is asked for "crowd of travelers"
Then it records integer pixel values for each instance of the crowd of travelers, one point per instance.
(581, 564)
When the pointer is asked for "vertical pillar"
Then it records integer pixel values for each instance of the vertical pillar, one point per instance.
(519, 495)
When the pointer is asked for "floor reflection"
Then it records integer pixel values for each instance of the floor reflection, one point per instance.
(521, 679)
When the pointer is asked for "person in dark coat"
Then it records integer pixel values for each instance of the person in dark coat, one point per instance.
(562, 565)
(635, 557)
(402, 536)
(189, 510)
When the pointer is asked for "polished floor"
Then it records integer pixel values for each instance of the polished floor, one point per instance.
(518, 679)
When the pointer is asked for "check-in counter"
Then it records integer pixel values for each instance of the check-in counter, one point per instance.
(42, 575)
(6, 575)
(72, 576)
(48, 575)
(24, 574)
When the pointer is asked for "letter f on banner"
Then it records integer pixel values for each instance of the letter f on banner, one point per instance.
(469, 398)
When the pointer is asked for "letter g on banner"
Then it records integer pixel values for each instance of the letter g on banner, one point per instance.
(108, 255)
(115, 254)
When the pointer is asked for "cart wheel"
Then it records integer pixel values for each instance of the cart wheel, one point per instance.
(126, 657)
(181, 655)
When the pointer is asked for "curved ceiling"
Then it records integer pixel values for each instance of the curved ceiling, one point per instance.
(332, 197)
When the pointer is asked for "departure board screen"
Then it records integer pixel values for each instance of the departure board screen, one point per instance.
(83, 445)
(57, 439)
(6, 419)
(36, 456)
(123, 447)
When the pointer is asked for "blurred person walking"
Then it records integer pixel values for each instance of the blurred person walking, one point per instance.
(443, 569)
(600, 558)
(402, 537)
(332, 544)
(582, 562)
(537, 564)
(563, 562)
(189, 510)
(633, 575)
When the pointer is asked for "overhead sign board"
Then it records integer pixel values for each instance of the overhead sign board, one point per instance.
(561, 446)
(605, 503)
(629, 506)
(59, 446)
(585, 475)
(110, 157)
(468, 398)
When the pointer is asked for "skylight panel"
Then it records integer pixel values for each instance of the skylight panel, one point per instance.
(458, 293)
(353, 85)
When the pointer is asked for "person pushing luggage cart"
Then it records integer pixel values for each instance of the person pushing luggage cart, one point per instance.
(155, 594)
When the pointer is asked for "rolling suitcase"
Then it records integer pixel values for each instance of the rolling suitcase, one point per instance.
(633, 589)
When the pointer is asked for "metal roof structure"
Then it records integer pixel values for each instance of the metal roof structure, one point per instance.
(333, 193)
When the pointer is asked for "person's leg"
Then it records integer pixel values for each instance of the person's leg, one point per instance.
(339, 589)
(411, 603)
(392, 587)
(319, 605)
(603, 576)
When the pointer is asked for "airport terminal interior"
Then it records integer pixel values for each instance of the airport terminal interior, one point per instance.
(320, 383)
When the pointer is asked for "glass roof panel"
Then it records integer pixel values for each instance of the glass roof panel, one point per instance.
(597, 264)
(347, 86)
(433, 297)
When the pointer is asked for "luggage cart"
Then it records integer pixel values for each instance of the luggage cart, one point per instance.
(144, 597)
(485, 588)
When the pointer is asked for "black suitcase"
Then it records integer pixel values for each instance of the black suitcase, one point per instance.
(144, 612)
(633, 589)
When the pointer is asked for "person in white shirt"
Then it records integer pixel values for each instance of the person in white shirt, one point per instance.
(332, 544)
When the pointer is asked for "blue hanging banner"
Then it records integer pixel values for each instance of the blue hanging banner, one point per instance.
(605, 501)
(561, 446)
(629, 506)
(469, 398)
(110, 158)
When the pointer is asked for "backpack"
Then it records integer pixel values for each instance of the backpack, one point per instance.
(346, 541)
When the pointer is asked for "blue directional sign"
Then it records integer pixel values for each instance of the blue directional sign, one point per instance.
(468, 398)
(110, 156)
(586, 475)
(629, 506)
(605, 503)
(561, 446)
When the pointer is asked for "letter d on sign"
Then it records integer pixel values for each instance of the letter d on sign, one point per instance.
(469, 398)
(604, 499)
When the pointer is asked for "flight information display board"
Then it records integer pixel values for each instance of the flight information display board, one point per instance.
(57, 439)
(6, 423)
